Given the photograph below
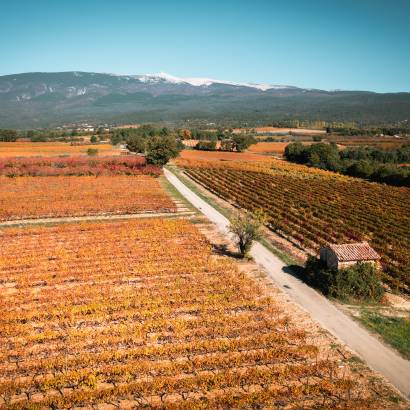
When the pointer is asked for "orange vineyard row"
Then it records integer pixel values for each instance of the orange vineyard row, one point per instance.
(140, 313)
(222, 156)
(51, 149)
(40, 197)
(312, 207)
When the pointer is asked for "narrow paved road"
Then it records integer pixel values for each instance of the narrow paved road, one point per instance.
(378, 356)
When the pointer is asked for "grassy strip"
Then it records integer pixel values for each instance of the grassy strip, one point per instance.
(174, 193)
(394, 330)
(284, 257)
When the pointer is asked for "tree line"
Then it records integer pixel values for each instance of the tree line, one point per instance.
(373, 164)
(238, 143)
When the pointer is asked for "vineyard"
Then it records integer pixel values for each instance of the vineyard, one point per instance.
(50, 149)
(311, 207)
(270, 147)
(222, 156)
(40, 197)
(141, 314)
(13, 167)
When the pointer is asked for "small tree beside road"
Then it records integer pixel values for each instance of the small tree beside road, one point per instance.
(247, 228)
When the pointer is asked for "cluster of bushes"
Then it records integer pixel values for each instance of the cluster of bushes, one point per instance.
(358, 282)
(370, 163)
(344, 130)
(13, 167)
(145, 131)
(394, 156)
(206, 145)
(238, 143)
(158, 150)
(8, 135)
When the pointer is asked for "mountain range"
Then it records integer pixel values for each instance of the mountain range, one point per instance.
(33, 100)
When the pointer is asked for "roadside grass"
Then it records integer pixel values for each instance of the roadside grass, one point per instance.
(394, 330)
(284, 257)
(174, 193)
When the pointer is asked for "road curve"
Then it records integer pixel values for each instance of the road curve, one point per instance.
(372, 351)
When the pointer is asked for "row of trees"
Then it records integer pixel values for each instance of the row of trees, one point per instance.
(8, 135)
(125, 134)
(238, 143)
(369, 163)
(345, 130)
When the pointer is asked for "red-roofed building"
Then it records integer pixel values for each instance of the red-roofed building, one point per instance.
(348, 254)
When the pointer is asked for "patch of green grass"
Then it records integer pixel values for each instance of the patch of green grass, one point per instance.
(355, 359)
(174, 193)
(394, 330)
(284, 257)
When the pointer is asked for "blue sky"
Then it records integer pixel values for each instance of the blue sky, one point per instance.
(329, 44)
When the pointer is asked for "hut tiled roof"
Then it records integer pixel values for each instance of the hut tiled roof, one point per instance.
(348, 252)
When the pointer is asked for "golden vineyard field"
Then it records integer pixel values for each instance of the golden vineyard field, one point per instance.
(312, 207)
(59, 196)
(51, 149)
(140, 314)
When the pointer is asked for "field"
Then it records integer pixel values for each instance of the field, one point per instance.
(270, 147)
(265, 130)
(310, 207)
(40, 197)
(221, 156)
(51, 149)
(77, 166)
(375, 142)
(141, 314)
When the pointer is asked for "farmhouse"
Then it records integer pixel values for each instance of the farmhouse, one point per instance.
(345, 255)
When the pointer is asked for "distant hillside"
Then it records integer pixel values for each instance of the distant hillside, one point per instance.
(51, 99)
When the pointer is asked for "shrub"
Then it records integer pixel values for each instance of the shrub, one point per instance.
(8, 135)
(92, 152)
(206, 145)
(360, 281)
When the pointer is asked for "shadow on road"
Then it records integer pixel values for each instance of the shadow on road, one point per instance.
(296, 271)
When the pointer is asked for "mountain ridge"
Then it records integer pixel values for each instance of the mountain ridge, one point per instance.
(43, 99)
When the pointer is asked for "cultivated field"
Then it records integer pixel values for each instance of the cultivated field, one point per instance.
(77, 166)
(221, 156)
(140, 314)
(376, 142)
(310, 207)
(61, 196)
(51, 149)
(270, 147)
(264, 130)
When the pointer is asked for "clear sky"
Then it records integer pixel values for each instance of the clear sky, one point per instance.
(328, 44)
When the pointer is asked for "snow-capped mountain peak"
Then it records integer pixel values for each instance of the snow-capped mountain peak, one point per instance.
(202, 82)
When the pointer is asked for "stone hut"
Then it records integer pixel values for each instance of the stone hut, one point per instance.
(348, 254)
